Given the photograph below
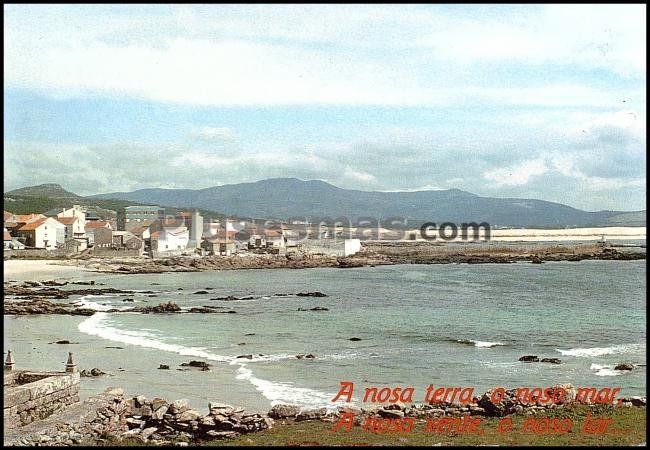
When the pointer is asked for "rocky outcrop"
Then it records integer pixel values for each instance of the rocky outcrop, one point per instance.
(551, 360)
(169, 307)
(199, 364)
(283, 411)
(311, 294)
(624, 366)
(140, 420)
(94, 372)
(529, 358)
(43, 306)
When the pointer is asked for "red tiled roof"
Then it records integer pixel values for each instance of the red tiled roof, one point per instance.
(6, 236)
(26, 218)
(7, 215)
(33, 225)
(66, 220)
(155, 234)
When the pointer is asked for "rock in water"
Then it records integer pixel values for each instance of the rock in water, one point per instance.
(529, 358)
(552, 360)
(311, 294)
(624, 366)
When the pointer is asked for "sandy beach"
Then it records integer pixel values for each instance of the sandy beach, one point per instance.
(31, 269)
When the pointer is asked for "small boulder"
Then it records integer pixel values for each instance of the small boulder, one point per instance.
(529, 358)
(179, 406)
(163, 367)
(283, 411)
(552, 360)
(311, 414)
(624, 366)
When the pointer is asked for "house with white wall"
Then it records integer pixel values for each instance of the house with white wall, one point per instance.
(170, 239)
(47, 233)
(74, 227)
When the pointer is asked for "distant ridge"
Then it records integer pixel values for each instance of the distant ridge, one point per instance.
(51, 190)
(285, 198)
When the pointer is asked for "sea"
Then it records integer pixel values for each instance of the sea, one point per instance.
(451, 325)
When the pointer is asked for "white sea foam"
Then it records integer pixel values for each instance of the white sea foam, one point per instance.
(605, 370)
(276, 392)
(85, 302)
(600, 351)
(486, 344)
(279, 392)
(480, 344)
(95, 325)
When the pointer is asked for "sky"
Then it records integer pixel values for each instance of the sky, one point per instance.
(531, 101)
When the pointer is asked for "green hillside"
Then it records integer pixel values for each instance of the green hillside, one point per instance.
(38, 199)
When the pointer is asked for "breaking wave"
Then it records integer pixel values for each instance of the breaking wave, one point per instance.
(605, 370)
(480, 344)
(275, 392)
(600, 351)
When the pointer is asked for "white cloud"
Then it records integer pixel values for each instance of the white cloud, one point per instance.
(213, 133)
(517, 175)
(358, 175)
(250, 55)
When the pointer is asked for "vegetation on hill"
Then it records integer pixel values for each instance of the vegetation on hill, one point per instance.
(41, 198)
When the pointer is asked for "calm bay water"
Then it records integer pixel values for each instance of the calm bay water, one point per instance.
(447, 325)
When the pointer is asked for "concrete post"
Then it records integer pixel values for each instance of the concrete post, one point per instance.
(9, 362)
(70, 366)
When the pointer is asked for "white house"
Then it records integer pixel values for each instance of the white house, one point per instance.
(47, 233)
(170, 239)
(74, 227)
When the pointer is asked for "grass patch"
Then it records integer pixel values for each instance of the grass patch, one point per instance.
(632, 422)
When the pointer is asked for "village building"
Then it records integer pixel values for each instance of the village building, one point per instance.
(22, 219)
(75, 211)
(142, 213)
(219, 247)
(170, 239)
(110, 242)
(275, 238)
(10, 242)
(257, 241)
(6, 239)
(103, 237)
(195, 225)
(92, 226)
(92, 216)
(47, 233)
(74, 227)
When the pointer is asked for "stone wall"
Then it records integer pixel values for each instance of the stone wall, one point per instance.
(116, 253)
(30, 253)
(30, 396)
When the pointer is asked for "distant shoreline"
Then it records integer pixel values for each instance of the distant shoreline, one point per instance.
(373, 253)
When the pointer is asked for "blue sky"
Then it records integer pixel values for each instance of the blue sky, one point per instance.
(542, 101)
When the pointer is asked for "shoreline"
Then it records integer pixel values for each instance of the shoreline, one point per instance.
(372, 254)
(111, 417)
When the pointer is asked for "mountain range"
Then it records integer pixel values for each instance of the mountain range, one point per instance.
(284, 198)
(291, 198)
